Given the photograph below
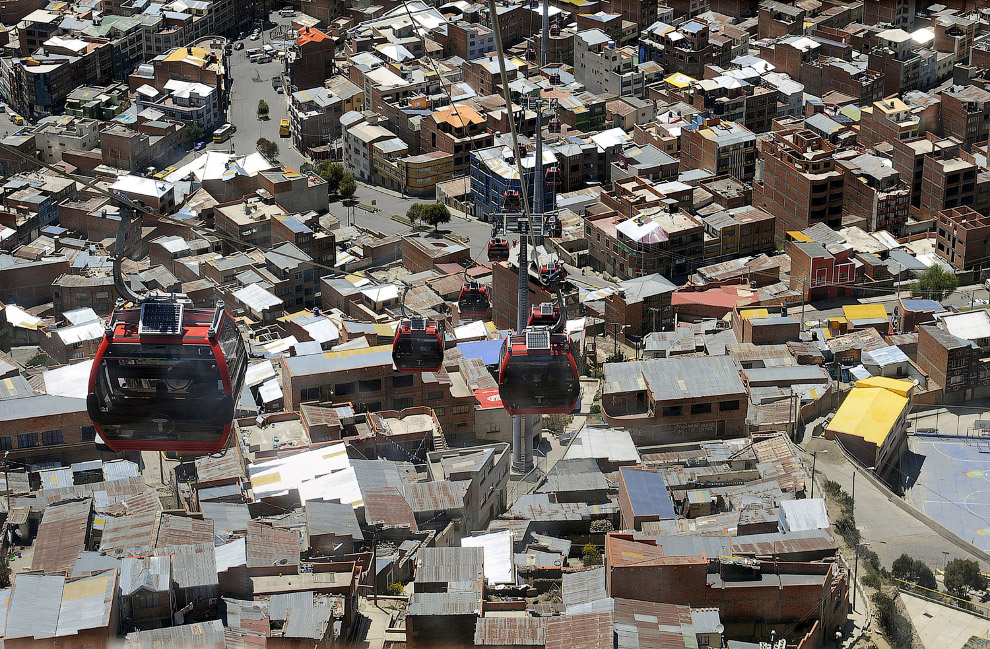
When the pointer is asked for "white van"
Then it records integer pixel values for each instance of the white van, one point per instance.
(287, 13)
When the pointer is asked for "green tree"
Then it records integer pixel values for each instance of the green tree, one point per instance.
(935, 283)
(306, 167)
(617, 357)
(191, 134)
(268, 148)
(332, 172)
(41, 359)
(557, 423)
(415, 212)
(912, 570)
(395, 589)
(347, 186)
(590, 555)
(435, 214)
(961, 575)
(262, 109)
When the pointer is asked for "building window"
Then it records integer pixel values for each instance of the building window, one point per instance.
(724, 406)
(440, 412)
(671, 411)
(5, 443)
(402, 381)
(88, 435)
(27, 440)
(403, 403)
(434, 396)
(51, 437)
(462, 410)
(373, 385)
(309, 394)
(701, 408)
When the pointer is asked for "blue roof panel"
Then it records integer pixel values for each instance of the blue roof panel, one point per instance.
(486, 350)
(648, 493)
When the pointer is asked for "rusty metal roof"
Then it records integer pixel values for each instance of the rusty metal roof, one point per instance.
(448, 565)
(435, 496)
(103, 493)
(651, 624)
(131, 534)
(211, 469)
(388, 506)
(193, 565)
(182, 530)
(271, 546)
(585, 631)
(776, 544)
(512, 631)
(61, 536)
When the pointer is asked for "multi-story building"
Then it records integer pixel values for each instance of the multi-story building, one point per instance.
(384, 162)
(484, 75)
(314, 114)
(71, 292)
(962, 238)
(899, 13)
(738, 232)
(734, 99)
(966, 114)
(193, 104)
(604, 68)
(37, 194)
(641, 12)
(418, 175)
(314, 63)
(676, 399)
(800, 185)
(719, 147)
(688, 49)
(457, 129)
(493, 173)
(468, 40)
(829, 74)
(619, 29)
(954, 363)
(905, 66)
(874, 190)
(359, 134)
(955, 34)
(950, 180)
(642, 303)
(820, 272)
(777, 19)
(152, 144)
(887, 120)
(909, 157)
(53, 135)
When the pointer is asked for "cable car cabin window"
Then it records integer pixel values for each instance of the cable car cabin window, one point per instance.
(160, 393)
(232, 347)
(539, 380)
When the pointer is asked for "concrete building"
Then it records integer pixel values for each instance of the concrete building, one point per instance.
(314, 63)
(954, 363)
(605, 68)
(723, 148)
(688, 48)
(314, 113)
(899, 13)
(800, 185)
(966, 114)
(188, 102)
(359, 134)
(642, 304)
(677, 399)
(821, 272)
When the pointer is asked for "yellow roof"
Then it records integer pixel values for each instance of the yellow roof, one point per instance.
(754, 313)
(797, 235)
(865, 311)
(194, 55)
(384, 330)
(679, 80)
(898, 386)
(868, 413)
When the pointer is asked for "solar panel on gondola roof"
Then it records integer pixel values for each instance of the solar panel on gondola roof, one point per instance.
(160, 318)
(546, 308)
(538, 339)
(418, 324)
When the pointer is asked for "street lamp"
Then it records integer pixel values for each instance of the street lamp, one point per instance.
(856, 572)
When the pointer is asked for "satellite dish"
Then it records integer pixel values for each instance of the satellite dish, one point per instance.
(719, 629)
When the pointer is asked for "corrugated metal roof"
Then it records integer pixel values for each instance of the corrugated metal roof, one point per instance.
(87, 603)
(202, 635)
(131, 534)
(435, 496)
(682, 377)
(61, 536)
(647, 492)
(586, 631)
(279, 604)
(453, 603)
(210, 468)
(574, 475)
(649, 624)
(389, 507)
(271, 546)
(311, 623)
(182, 530)
(229, 517)
(249, 616)
(583, 586)
(151, 574)
(231, 554)
(119, 470)
(446, 565)
(510, 631)
(32, 610)
(804, 514)
(332, 518)
(93, 562)
(706, 620)
(193, 565)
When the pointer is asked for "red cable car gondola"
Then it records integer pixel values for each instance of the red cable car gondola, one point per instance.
(553, 227)
(551, 274)
(511, 201)
(531, 55)
(473, 300)
(553, 177)
(554, 124)
(554, 78)
(543, 315)
(498, 249)
(166, 378)
(538, 374)
(418, 345)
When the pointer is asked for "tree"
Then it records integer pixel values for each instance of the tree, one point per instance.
(191, 134)
(556, 424)
(332, 172)
(935, 283)
(617, 357)
(961, 575)
(395, 589)
(415, 212)
(914, 571)
(41, 359)
(590, 555)
(268, 148)
(262, 109)
(347, 186)
(306, 167)
(435, 214)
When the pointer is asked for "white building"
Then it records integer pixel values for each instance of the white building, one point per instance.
(185, 101)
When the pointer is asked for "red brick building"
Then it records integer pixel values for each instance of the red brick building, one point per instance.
(819, 272)
(314, 64)
(952, 363)
(966, 114)
(962, 238)
(458, 130)
(875, 190)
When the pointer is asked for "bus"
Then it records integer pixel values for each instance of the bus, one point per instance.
(223, 133)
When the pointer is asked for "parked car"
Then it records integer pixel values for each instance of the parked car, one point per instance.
(255, 37)
(199, 146)
(239, 46)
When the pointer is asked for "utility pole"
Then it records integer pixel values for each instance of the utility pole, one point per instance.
(814, 460)
(856, 570)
